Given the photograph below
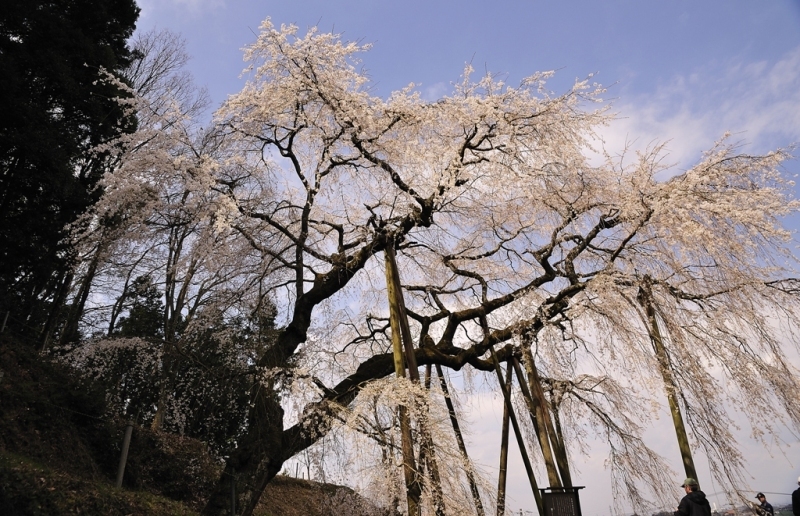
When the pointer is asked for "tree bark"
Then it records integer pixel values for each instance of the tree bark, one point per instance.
(78, 304)
(64, 286)
(165, 384)
(256, 461)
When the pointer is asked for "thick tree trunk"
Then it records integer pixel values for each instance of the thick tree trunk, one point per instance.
(64, 286)
(76, 310)
(256, 461)
(165, 385)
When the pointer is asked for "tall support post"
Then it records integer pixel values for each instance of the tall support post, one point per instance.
(426, 443)
(413, 489)
(558, 447)
(539, 416)
(501, 478)
(473, 485)
(561, 448)
(123, 457)
(427, 453)
(393, 277)
(517, 432)
(645, 298)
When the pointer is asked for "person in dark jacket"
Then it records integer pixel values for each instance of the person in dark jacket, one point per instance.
(765, 509)
(796, 499)
(695, 502)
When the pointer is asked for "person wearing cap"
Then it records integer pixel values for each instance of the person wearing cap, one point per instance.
(695, 502)
(796, 499)
(765, 509)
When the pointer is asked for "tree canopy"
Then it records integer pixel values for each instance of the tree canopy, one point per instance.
(518, 237)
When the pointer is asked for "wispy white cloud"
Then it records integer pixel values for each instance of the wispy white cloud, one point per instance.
(199, 5)
(193, 7)
(436, 91)
(758, 102)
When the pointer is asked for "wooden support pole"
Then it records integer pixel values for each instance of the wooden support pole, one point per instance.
(394, 318)
(556, 439)
(645, 298)
(517, 433)
(473, 485)
(123, 458)
(501, 478)
(539, 416)
(413, 488)
(427, 453)
(393, 277)
(561, 449)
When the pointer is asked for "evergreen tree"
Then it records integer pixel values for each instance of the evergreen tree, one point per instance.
(54, 110)
(146, 316)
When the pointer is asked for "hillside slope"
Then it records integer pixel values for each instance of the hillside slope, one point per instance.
(59, 453)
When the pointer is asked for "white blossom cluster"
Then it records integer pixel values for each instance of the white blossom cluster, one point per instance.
(509, 235)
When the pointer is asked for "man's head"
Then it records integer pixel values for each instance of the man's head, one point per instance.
(690, 484)
(761, 497)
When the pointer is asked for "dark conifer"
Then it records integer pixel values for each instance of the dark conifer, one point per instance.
(53, 111)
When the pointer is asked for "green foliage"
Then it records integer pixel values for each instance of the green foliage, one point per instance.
(146, 316)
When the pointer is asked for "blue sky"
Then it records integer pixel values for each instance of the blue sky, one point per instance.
(683, 71)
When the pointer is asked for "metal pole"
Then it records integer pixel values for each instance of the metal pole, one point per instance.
(5, 320)
(123, 459)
